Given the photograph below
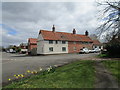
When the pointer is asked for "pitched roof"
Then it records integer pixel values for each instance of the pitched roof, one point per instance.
(32, 40)
(50, 35)
(96, 42)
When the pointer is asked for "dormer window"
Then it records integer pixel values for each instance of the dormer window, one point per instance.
(50, 41)
(74, 42)
(56, 42)
(63, 42)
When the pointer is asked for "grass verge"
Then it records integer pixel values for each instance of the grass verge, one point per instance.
(113, 67)
(103, 56)
(79, 74)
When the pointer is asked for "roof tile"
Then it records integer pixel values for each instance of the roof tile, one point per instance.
(32, 40)
(50, 35)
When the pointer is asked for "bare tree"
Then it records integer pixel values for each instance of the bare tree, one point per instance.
(110, 17)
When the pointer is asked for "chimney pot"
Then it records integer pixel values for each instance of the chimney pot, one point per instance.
(53, 28)
(74, 31)
(86, 33)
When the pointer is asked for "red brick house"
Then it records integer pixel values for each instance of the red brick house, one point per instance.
(97, 44)
(32, 43)
(52, 42)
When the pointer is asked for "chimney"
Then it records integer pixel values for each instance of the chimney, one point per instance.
(53, 28)
(86, 33)
(74, 31)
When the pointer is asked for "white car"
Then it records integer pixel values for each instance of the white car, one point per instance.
(97, 50)
(91, 51)
(84, 50)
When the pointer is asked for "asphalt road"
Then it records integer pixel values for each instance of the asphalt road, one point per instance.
(19, 63)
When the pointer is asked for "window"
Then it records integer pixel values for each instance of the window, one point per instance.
(63, 48)
(74, 42)
(63, 42)
(74, 48)
(50, 42)
(80, 42)
(56, 42)
(51, 49)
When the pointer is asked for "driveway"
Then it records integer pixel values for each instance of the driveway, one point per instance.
(19, 64)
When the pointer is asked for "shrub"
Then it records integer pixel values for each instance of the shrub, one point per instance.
(113, 49)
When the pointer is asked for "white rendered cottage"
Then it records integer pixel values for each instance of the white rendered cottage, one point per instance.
(51, 42)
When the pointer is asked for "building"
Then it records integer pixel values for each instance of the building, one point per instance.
(52, 42)
(96, 42)
(23, 45)
(24, 48)
(32, 43)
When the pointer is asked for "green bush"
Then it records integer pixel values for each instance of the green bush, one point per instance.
(113, 49)
(18, 50)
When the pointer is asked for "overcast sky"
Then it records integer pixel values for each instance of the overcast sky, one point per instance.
(23, 20)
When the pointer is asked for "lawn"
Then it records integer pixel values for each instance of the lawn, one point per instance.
(113, 67)
(79, 74)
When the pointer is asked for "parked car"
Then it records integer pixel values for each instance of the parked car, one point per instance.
(7, 51)
(10, 50)
(97, 50)
(23, 51)
(13, 51)
(91, 51)
(84, 50)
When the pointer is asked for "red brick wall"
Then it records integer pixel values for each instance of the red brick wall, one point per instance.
(78, 46)
(31, 46)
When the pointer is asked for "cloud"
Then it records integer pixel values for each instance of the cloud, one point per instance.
(27, 18)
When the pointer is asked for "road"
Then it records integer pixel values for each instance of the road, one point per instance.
(19, 64)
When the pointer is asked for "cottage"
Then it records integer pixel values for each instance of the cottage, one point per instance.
(32, 43)
(24, 47)
(97, 44)
(52, 42)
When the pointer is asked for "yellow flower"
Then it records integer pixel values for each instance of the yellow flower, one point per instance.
(35, 71)
(40, 69)
(55, 65)
(32, 72)
(48, 69)
(9, 79)
(14, 75)
(18, 75)
(28, 71)
(22, 75)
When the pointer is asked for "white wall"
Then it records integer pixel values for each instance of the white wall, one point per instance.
(43, 46)
(40, 44)
(57, 48)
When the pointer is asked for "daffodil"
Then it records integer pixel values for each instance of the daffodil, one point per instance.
(55, 65)
(40, 69)
(28, 71)
(35, 71)
(14, 75)
(32, 72)
(22, 75)
(9, 79)
(48, 69)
